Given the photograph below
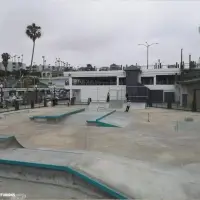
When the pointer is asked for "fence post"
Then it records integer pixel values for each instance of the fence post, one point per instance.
(194, 106)
(45, 102)
(32, 104)
(169, 105)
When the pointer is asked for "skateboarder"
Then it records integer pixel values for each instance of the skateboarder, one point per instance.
(128, 106)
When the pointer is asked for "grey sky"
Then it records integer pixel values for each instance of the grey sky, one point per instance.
(101, 32)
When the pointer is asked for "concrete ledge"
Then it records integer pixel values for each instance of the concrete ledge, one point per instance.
(104, 189)
(110, 113)
(97, 122)
(57, 117)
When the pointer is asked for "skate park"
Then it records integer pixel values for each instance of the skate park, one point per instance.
(139, 159)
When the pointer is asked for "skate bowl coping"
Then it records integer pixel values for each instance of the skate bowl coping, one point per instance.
(58, 116)
(39, 172)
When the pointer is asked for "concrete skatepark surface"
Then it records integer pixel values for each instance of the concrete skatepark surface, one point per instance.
(158, 159)
(118, 118)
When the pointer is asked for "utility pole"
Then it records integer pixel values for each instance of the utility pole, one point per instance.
(189, 61)
(147, 46)
(181, 59)
(43, 57)
(59, 62)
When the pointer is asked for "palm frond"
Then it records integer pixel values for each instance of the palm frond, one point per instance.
(33, 31)
(38, 34)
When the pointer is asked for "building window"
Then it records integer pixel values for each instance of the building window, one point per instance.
(165, 79)
(147, 80)
(94, 81)
(122, 81)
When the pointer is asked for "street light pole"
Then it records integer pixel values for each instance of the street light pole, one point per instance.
(147, 57)
(147, 46)
(54, 91)
(36, 96)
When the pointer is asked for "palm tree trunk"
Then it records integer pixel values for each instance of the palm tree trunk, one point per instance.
(6, 72)
(32, 55)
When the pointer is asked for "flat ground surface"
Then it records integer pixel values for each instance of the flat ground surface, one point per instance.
(167, 138)
(157, 136)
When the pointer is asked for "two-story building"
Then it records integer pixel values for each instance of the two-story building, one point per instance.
(141, 84)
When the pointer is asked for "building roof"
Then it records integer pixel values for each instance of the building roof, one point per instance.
(132, 68)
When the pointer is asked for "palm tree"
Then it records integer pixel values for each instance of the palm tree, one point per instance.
(33, 32)
(5, 57)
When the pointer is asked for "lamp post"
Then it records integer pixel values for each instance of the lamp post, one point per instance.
(147, 46)
(59, 62)
(36, 96)
(1, 86)
(54, 91)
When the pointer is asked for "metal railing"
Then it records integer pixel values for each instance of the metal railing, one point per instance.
(174, 106)
(11, 107)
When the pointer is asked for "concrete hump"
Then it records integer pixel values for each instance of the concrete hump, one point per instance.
(115, 104)
(9, 142)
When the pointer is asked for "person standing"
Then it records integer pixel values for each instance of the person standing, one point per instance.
(128, 106)
(108, 97)
(126, 97)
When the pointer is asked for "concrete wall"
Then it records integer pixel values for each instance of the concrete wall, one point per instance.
(119, 73)
(189, 90)
(99, 93)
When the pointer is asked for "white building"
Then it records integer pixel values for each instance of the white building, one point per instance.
(97, 84)
(12, 66)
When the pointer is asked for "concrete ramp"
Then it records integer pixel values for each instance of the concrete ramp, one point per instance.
(98, 106)
(108, 176)
(115, 104)
(55, 168)
(9, 142)
(118, 119)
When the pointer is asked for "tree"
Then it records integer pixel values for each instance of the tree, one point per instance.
(33, 32)
(5, 57)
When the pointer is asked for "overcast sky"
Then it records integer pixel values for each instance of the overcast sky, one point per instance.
(101, 32)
